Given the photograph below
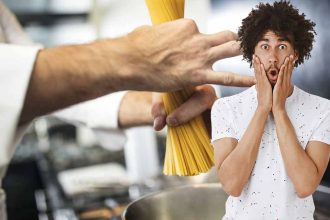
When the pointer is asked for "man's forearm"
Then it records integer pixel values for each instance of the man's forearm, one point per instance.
(241, 160)
(70, 74)
(299, 166)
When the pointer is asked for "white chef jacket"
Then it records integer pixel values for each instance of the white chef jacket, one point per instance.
(101, 115)
(16, 64)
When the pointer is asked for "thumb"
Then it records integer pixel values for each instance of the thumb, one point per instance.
(158, 111)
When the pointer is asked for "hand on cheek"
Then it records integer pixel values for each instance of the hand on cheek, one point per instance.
(263, 87)
(283, 86)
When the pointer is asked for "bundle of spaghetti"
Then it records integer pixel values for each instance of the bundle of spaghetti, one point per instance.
(188, 148)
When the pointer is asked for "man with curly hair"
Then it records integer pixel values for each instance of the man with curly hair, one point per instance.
(272, 141)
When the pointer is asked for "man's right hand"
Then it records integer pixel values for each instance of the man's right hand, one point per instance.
(199, 103)
(175, 55)
(263, 86)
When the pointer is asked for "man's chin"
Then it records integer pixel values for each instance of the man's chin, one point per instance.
(272, 83)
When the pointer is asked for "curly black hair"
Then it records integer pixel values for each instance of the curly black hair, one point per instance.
(284, 20)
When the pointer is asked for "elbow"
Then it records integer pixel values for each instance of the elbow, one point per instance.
(234, 192)
(231, 186)
(232, 189)
(304, 191)
(303, 194)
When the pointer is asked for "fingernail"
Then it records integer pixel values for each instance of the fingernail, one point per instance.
(172, 122)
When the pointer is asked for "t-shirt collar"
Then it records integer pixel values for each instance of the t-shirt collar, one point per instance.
(288, 99)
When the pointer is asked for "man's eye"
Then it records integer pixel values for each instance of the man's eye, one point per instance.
(264, 46)
(282, 47)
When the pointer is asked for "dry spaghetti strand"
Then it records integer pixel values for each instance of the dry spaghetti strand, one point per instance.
(188, 149)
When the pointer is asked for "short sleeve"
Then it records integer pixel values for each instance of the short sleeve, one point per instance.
(322, 132)
(223, 124)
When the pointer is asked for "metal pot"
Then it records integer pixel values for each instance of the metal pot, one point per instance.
(192, 202)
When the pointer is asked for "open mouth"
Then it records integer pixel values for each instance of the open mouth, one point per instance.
(272, 74)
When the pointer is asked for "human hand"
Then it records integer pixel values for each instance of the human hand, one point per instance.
(175, 55)
(200, 102)
(263, 86)
(283, 87)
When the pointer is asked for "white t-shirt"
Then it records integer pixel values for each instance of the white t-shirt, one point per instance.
(269, 192)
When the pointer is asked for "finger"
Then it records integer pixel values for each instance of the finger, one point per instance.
(285, 65)
(291, 67)
(286, 71)
(158, 111)
(263, 71)
(228, 79)
(264, 75)
(258, 62)
(226, 50)
(281, 73)
(201, 100)
(220, 38)
(258, 70)
(254, 63)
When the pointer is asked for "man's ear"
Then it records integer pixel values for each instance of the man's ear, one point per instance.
(296, 56)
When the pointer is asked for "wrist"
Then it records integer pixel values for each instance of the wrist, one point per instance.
(263, 109)
(277, 112)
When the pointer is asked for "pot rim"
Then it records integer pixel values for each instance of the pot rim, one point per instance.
(170, 189)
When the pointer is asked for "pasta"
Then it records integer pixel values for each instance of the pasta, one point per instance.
(188, 149)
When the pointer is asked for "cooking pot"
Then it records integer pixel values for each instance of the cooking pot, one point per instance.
(191, 202)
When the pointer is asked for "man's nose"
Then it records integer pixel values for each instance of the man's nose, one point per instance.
(272, 59)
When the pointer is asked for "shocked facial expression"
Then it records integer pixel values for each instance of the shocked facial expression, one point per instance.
(272, 51)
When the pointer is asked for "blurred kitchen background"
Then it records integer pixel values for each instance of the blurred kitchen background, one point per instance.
(63, 171)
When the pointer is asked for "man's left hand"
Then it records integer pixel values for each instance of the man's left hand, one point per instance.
(283, 87)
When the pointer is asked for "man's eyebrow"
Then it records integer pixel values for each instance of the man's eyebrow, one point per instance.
(264, 39)
(280, 39)
(284, 39)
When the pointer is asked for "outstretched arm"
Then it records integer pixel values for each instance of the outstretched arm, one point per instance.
(167, 57)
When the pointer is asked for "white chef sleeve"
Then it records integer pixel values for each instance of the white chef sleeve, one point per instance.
(16, 65)
(97, 113)
(101, 115)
